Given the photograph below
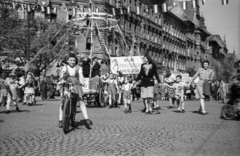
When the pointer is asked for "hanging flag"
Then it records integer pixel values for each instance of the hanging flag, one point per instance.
(155, 9)
(128, 9)
(22, 6)
(184, 5)
(121, 11)
(113, 12)
(164, 7)
(42, 8)
(54, 10)
(194, 3)
(29, 8)
(73, 11)
(14, 5)
(48, 10)
(224, 2)
(203, 2)
(138, 10)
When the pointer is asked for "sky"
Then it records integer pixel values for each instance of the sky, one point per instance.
(223, 20)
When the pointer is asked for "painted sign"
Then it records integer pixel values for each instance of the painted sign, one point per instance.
(126, 65)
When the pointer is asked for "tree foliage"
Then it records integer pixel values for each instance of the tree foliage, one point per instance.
(13, 39)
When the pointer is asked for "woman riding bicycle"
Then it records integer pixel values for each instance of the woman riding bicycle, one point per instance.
(73, 73)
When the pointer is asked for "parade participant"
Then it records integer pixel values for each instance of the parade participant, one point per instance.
(179, 93)
(112, 89)
(30, 82)
(29, 94)
(147, 71)
(157, 95)
(73, 72)
(85, 65)
(170, 79)
(223, 90)
(44, 88)
(203, 85)
(95, 67)
(12, 93)
(3, 91)
(126, 87)
(120, 80)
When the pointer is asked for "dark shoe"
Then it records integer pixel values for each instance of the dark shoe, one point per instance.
(129, 111)
(60, 124)
(88, 123)
(110, 106)
(17, 109)
(24, 103)
(7, 112)
(126, 111)
(149, 112)
(143, 110)
(183, 111)
(170, 107)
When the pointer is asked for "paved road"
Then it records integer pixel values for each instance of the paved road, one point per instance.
(34, 131)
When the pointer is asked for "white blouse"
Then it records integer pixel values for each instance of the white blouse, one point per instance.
(72, 71)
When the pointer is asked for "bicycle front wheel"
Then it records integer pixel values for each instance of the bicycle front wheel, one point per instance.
(228, 112)
(66, 114)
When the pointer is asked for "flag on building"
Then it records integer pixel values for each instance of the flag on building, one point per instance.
(224, 2)
(184, 5)
(194, 3)
(155, 9)
(164, 7)
(138, 10)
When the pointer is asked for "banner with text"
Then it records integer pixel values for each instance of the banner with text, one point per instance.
(126, 65)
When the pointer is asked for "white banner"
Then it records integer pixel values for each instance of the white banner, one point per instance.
(126, 65)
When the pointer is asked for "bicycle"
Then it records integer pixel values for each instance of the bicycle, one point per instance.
(69, 110)
(231, 112)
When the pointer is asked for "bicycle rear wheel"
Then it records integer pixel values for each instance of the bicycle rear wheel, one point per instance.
(228, 112)
(66, 114)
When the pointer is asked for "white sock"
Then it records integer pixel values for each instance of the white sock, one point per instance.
(84, 109)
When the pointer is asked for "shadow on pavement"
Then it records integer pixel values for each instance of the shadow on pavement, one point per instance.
(81, 123)
(38, 104)
(14, 111)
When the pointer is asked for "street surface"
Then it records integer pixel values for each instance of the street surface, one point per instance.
(34, 131)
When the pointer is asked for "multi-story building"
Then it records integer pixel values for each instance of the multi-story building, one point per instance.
(174, 37)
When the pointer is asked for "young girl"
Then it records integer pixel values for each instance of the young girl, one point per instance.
(29, 94)
(112, 89)
(12, 93)
(157, 95)
(72, 72)
(126, 87)
(3, 92)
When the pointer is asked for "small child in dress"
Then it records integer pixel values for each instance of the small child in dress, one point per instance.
(126, 88)
(29, 94)
(179, 93)
(3, 92)
(157, 95)
(112, 89)
(12, 93)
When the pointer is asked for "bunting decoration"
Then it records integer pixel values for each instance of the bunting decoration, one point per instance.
(184, 5)
(194, 3)
(224, 2)
(164, 7)
(155, 9)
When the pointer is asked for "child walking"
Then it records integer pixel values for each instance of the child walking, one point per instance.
(112, 89)
(126, 87)
(12, 93)
(3, 92)
(157, 96)
(179, 93)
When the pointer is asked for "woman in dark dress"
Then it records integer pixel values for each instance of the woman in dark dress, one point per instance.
(147, 71)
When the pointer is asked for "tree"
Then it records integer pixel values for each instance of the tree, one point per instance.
(14, 40)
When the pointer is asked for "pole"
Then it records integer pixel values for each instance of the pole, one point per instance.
(28, 37)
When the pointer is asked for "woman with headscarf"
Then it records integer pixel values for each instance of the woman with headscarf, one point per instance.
(147, 72)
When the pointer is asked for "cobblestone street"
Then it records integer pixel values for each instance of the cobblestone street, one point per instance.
(34, 131)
